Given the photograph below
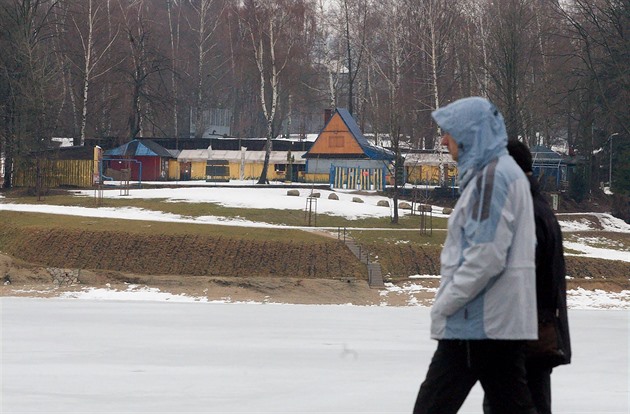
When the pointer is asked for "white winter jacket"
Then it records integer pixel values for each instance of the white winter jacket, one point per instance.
(488, 286)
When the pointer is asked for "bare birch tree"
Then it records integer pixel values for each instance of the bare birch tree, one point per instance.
(174, 15)
(208, 16)
(390, 61)
(475, 42)
(95, 45)
(431, 35)
(329, 54)
(271, 27)
(431, 24)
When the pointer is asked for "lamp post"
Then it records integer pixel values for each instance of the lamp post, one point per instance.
(610, 138)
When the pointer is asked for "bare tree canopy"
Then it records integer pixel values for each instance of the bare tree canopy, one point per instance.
(119, 69)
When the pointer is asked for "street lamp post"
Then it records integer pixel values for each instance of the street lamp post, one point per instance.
(610, 138)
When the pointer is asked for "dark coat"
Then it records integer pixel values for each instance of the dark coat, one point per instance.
(551, 287)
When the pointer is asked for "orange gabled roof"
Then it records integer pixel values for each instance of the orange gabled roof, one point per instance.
(341, 137)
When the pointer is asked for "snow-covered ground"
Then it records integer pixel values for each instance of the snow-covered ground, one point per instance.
(146, 351)
(126, 356)
(263, 198)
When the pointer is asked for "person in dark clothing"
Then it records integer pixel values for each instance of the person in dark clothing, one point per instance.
(551, 291)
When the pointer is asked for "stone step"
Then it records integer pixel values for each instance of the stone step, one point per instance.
(375, 276)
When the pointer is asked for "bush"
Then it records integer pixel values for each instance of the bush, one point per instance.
(621, 207)
(578, 188)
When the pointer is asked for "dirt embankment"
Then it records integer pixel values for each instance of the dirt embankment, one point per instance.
(195, 255)
(34, 280)
(219, 268)
(400, 261)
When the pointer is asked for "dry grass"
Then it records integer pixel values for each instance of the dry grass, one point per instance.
(150, 247)
(273, 216)
(170, 248)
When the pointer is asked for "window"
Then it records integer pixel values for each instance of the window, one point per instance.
(335, 141)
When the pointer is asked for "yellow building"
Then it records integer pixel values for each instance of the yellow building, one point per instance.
(432, 168)
(239, 165)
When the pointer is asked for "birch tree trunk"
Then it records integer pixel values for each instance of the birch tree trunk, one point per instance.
(66, 74)
(330, 55)
(268, 24)
(395, 56)
(174, 42)
(269, 108)
(207, 24)
(93, 56)
(433, 22)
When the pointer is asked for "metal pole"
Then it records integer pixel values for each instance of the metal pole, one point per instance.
(610, 163)
(590, 173)
(610, 167)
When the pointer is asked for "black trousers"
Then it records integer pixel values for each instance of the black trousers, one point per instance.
(539, 384)
(457, 365)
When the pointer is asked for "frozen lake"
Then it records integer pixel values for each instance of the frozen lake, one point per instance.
(89, 356)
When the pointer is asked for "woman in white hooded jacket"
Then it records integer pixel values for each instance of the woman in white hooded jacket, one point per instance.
(486, 305)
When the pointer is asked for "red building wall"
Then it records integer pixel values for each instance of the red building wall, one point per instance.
(150, 167)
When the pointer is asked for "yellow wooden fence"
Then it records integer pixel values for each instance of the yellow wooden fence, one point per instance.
(56, 173)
